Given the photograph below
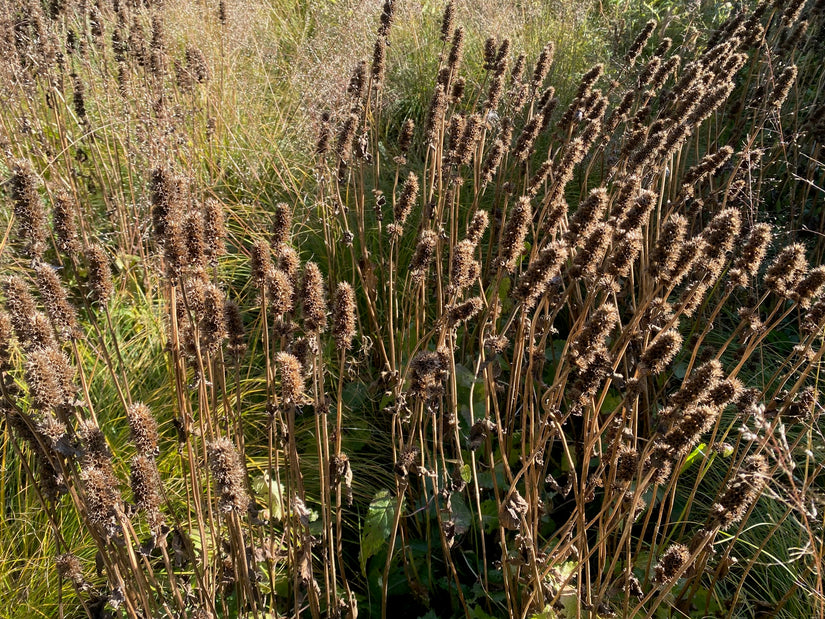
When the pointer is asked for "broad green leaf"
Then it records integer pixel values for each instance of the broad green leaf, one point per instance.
(272, 492)
(460, 513)
(377, 526)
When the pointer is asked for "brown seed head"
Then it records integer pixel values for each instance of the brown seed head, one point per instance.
(661, 351)
(447, 21)
(279, 292)
(465, 268)
(740, 492)
(810, 288)
(146, 490)
(28, 208)
(671, 563)
(666, 251)
(292, 378)
(214, 230)
(236, 345)
(423, 255)
(541, 271)
(343, 316)
(787, 270)
(100, 274)
(313, 298)
(406, 137)
(639, 42)
(281, 224)
(144, 429)
(64, 222)
(406, 201)
(461, 312)
(478, 224)
(68, 566)
(590, 212)
(229, 475)
(56, 302)
(542, 66)
(515, 232)
(750, 258)
(261, 263)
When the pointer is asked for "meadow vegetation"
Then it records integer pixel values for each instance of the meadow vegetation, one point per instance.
(464, 309)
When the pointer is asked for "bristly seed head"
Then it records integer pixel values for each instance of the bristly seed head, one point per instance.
(343, 316)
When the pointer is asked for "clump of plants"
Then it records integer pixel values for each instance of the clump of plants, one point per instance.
(533, 358)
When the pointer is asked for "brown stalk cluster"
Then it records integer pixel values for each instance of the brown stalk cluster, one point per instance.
(561, 334)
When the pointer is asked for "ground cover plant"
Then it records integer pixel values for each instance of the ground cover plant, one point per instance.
(484, 329)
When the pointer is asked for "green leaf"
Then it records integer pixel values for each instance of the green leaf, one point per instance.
(466, 473)
(479, 613)
(489, 515)
(462, 518)
(271, 491)
(699, 452)
(377, 526)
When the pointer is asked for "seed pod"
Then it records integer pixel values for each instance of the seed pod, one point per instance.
(787, 270)
(28, 208)
(542, 66)
(587, 216)
(405, 139)
(671, 563)
(292, 378)
(324, 135)
(740, 492)
(465, 268)
(228, 473)
(588, 259)
(62, 313)
(639, 42)
(783, 86)
(515, 231)
(261, 264)
(100, 274)
(491, 162)
(406, 201)
(810, 288)
(541, 271)
(591, 338)
(313, 298)
(146, 490)
(280, 292)
(102, 500)
(666, 251)
(697, 384)
(447, 21)
(236, 345)
(661, 351)
(524, 144)
(478, 224)
(379, 59)
(281, 224)
(212, 324)
(64, 222)
(343, 316)
(423, 255)
(435, 115)
(750, 258)
(144, 429)
(462, 312)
